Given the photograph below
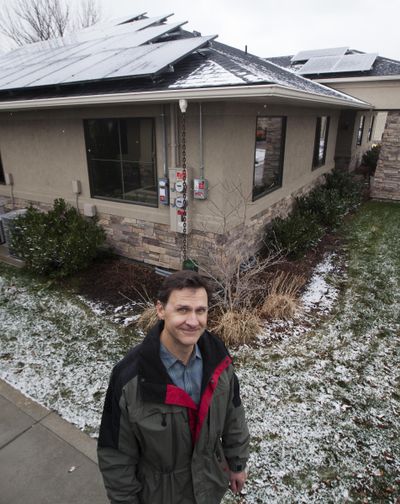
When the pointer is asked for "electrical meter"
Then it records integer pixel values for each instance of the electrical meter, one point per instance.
(163, 191)
(179, 216)
(200, 188)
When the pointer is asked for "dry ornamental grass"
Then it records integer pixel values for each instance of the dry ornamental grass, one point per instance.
(148, 318)
(237, 327)
(282, 301)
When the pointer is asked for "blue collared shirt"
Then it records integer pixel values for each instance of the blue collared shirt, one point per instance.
(186, 377)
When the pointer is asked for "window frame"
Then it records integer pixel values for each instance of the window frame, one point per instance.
(360, 132)
(2, 172)
(281, 158)
(317, 162)
(154, 146)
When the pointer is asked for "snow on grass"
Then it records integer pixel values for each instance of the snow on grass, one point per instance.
(322, 392)
(55, 350)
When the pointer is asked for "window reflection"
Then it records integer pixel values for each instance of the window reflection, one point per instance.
(321, 141)
(268, 162)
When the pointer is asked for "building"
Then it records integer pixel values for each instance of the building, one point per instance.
(373, 79)
(106, 118)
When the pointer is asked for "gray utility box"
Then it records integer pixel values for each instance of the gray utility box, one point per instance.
(7, 226)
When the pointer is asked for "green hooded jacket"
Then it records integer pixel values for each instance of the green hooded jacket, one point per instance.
(156, 446)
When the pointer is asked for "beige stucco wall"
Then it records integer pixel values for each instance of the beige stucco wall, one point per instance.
(45, 151)
(381, 94)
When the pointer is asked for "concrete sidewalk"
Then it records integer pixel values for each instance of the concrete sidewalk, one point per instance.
(43, 458)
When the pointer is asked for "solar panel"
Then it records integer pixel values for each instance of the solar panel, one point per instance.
(356, 62)
(317, 53)
(338, 64)
(105, 64)
(319, 65)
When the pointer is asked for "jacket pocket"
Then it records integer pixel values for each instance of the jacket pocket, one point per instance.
(164, 437)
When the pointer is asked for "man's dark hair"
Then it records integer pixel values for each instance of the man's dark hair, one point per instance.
(185, 279)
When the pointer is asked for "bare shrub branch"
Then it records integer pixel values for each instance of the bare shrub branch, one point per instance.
(236, 271)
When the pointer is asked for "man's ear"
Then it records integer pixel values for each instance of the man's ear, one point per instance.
(160, 310)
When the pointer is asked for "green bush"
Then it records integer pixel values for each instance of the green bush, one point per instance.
(56, 243)
(370, 158)
(295, 234)
(349, 189)
(321, 209)
(326, 205)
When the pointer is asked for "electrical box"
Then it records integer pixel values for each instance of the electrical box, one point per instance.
(163, 191)
(200, 188)
(89, 210)
(178, 204)
(76, 187)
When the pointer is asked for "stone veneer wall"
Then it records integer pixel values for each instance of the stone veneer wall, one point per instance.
(156, 244)
(386, 183)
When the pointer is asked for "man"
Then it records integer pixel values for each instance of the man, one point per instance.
(173, 428)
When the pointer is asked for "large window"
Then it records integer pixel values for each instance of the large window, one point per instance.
(268, 162)
(2, 179)
(360, 131)
(121, 159)
(321, 141)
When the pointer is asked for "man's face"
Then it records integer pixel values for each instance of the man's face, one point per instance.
(185, 317)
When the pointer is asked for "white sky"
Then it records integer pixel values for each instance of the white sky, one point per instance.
(279, 27)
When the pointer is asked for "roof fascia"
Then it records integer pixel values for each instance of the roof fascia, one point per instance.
(220, 93)
(375, 78)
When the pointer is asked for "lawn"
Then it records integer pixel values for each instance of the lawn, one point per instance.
(322, 392)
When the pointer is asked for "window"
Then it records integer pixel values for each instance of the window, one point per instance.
(121, 159)
(268, 161)
(360, 130)
(2, 178)
(371, 128)
(321, 141)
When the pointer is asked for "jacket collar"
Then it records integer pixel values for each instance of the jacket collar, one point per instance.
(154, 378)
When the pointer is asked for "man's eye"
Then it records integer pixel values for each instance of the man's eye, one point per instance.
(201, 311)
(182, 310)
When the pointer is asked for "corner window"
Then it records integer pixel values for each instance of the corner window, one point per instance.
(371, 128)
(2, 178)
(360, 131)
(268, 160)
(121, 159)
(321, 141)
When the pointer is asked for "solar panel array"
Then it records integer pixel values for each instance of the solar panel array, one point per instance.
(338, 64)
(104, 51)
(317, 53)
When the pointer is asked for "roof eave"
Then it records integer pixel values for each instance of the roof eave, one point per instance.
(214, 93)
(370, 78)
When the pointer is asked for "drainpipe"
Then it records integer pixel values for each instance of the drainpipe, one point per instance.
(173, 134)
(164, 140)
(201, 141)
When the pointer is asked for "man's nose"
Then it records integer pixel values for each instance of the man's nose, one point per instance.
(192, 319)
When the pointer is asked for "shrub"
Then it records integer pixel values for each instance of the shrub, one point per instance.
(237, 327)
(325, 204)
(57, 243)
(370, 158)
(348, 188)
(295, 234)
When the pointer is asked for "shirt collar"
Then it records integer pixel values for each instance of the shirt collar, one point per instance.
(169, 360)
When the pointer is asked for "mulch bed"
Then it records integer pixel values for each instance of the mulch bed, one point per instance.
(114, 280)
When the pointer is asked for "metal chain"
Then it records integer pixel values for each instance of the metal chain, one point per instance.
(184, 242)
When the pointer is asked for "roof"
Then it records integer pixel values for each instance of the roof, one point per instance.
(141, 54)
(381, 67)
